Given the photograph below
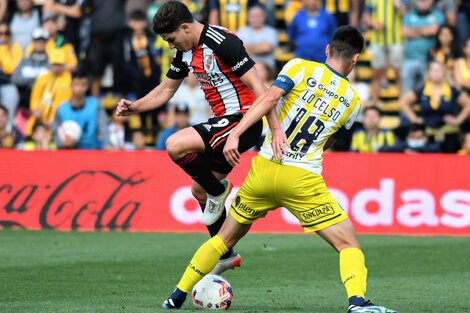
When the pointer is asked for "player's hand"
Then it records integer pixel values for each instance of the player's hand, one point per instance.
(125, 108)
(279, 143)
(231, 150)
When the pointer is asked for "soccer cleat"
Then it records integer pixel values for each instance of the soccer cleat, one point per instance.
(169, 304)
(235, 260)
(368, 307)
(215, 205)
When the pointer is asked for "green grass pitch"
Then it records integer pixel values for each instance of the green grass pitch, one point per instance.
(46, 271)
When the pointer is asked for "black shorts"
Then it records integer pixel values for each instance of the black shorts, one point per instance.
(214, 133)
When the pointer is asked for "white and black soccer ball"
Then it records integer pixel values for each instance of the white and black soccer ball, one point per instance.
(213, 293)
(69, 130)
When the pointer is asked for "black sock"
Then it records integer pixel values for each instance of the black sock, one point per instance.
(355, 300)
(195, 166)
(178, 297)
(214, 229)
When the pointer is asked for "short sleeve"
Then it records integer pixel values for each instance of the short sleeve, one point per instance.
(290, 76)
(178, 69)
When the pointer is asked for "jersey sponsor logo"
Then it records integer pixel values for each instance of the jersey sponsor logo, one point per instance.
(209, 62)
(239, 64)
(334, 95)
(174, 68)
(311, 82)
(316, 213)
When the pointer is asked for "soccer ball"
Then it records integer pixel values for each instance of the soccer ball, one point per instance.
(69, 130)
(212, 292)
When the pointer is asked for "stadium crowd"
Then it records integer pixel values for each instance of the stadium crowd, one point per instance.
(74, 59)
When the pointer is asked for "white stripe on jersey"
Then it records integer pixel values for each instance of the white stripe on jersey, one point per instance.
(217, 37)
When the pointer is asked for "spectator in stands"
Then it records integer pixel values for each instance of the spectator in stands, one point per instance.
(138, 141)
(346, 12)
(438, 101)
(383, 17)
(31, 66)
(416, 142)
(230, 14)
(71, 12)
(57, 41)
(447, 7)
(462, 69)
(117, 133)
(465, 150)
(40, 139)
(311, 30)
(87, 112)
(24, 22)
(49, 90)
(190, 94)
(181, 121)
(259, 39)
(3, 9)
(140, 57)
(10, 57)
(371, 138)
(106, 42)
(419, 28)
(10, 136)
(463, 21)
(446, 50)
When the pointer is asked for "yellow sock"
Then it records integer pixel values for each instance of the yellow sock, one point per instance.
(203, 261)
(353, 272)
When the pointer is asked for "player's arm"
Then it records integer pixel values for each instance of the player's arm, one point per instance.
(154, 99)
(260, 108)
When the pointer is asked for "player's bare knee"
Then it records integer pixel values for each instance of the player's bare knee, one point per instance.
(173, 147)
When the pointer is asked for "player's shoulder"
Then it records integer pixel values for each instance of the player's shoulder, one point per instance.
(218, 36)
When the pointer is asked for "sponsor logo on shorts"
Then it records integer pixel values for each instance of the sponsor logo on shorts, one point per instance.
(241, 207)
(316, 213)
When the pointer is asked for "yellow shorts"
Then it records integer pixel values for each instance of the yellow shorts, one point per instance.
(270, 185)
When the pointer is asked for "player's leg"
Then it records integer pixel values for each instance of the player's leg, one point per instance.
(230, 259)
(186, 148)
(353, 271)
(205, 259)
(214, 134)
(253, 200)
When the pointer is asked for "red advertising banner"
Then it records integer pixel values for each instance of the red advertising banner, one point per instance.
(146, 191)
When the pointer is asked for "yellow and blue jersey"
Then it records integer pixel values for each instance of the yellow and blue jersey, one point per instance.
(384, 13)
(337, 6)
(318, 102)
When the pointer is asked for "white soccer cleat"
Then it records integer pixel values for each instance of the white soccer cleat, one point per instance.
(215, 205)
(235, 260)
(368, 307)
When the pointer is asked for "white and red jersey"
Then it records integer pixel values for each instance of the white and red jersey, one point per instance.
(217, 62)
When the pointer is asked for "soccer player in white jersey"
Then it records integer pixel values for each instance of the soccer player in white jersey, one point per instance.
(314, 103)
(226, 75)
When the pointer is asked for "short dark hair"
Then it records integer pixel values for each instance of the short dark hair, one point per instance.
(372, 108)
(347, 41)
(416, 128)
(170, 16)
(81, 74)
(137, 15)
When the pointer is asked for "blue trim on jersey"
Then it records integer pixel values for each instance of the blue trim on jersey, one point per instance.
(284, 82)
(336, 72)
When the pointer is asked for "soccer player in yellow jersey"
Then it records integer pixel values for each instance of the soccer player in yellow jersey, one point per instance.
(314, 102)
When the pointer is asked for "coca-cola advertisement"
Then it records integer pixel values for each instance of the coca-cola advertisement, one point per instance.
(146, 191)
